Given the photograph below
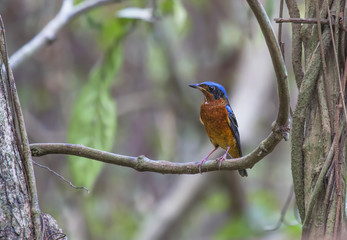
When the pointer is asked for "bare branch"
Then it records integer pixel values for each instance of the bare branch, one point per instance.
(283, 211)
(144, 164)
(278, 63)
(48, 34)
(301, 20)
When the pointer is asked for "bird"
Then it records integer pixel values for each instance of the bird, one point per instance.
(220, 122)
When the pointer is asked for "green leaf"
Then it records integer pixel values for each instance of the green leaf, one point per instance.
(93, 121)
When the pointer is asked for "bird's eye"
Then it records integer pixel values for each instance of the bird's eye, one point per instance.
(211, 88)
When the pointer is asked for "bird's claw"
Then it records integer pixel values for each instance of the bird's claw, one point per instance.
(200, 164)
(220, 160)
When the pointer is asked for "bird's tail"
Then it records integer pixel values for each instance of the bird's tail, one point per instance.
(243, 173)
(235, 154)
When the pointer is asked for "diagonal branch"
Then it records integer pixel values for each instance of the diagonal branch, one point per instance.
(61, 177)
(48, 34)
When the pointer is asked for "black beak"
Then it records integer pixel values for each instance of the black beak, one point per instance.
(195, 86)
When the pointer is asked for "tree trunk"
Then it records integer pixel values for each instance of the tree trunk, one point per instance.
(20, 217)
(15, 221)
(319, 124)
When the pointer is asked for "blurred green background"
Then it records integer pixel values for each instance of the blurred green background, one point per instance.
(117, 80)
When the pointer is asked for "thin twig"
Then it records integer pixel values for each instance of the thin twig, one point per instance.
(294, 12)
(283, 211)
(58, 235)
(324, 65)
(280, 29)
(61, 177)
(344, 78)
(48, 34)
(337, 66)
(307, 21)
(301, 20)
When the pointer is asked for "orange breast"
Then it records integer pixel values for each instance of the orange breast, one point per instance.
(214, 116)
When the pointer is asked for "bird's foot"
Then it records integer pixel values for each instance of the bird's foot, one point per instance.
(200, 164)
(221, 159)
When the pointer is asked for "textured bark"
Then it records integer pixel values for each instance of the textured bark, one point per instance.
(15, 220)
(316, 123)
(20, 216)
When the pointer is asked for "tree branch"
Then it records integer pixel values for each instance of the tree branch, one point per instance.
(48, 34)
(279, 66)
(144, 164)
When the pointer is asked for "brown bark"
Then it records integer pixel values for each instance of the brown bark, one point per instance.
(15, 221)
(319, 129)
(20, 216)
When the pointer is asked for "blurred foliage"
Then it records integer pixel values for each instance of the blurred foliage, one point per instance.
(293, 231)
(93, 121)
(269, 7)
(238, 228)
(217, 202)
(94, 118)
(121, 225)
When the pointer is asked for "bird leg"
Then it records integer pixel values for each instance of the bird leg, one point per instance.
(205, 158)
(222, 158)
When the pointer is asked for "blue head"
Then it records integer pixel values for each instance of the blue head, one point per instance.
(211, 90)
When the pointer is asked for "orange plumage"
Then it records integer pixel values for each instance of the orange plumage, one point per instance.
(219, 121)
(214, 117)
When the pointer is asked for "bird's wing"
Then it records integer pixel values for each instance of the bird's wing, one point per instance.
(234, 127)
